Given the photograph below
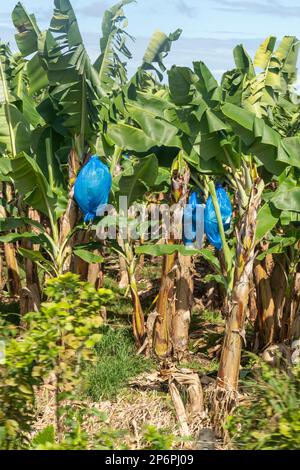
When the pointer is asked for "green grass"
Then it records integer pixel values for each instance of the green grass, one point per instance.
(203, 368)
(149, 272)
(206, 324)
(268, 417)
(213, 317)
(117, 363)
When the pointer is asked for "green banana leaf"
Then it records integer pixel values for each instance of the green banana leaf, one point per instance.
(267, 218)
(143, 177)
(31, 184)
(109, 65)
(88, 256)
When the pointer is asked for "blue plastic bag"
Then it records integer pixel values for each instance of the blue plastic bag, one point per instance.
(92, 187)
(191, 225)
(210, 217)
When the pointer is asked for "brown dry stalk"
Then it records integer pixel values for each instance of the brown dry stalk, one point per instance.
(180, 410)
(13, 276)
(265, 304)
(229, 368)
(30, 296)
(182, 314)
(139, 331)
(124, 280)
(294, 325)
(279, 286)
(165, 308)
(138, 314)
(189, 380)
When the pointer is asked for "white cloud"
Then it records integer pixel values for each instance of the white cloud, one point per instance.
(93, 9)
(185, 9)
(259, 7)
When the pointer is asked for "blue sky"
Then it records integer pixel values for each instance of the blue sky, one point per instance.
(211, 28)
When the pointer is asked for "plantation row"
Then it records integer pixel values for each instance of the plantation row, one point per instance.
(190, 142)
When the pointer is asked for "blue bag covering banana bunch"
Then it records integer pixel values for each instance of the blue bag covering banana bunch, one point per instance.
(193, 221)
(92, 187)
(210, 217)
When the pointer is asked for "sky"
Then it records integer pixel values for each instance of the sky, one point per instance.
(211, 28)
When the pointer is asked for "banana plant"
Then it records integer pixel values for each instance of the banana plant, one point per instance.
(137, 178)
(271, 95)
(74, 101)
(49, 129)
(14, 136)
(136, 124)
(226, 140)
(34, 190)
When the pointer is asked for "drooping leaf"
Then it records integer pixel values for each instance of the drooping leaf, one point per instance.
(289, 217)
(267, 218)
(144, 175)
(129, 137)
(12, 223)
(259, 138)
(218, 278)
(157, 129)
(181, 81)
(31, 236)
(211, 258)
(30, 183)
(169, 249)
(33, 255)
(277, 245)
(291, 155)
(88, 256)
(5, 167)
(287, 196)
(37, 76)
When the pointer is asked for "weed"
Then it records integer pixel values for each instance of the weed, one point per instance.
(116, 364)
(269, 417)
